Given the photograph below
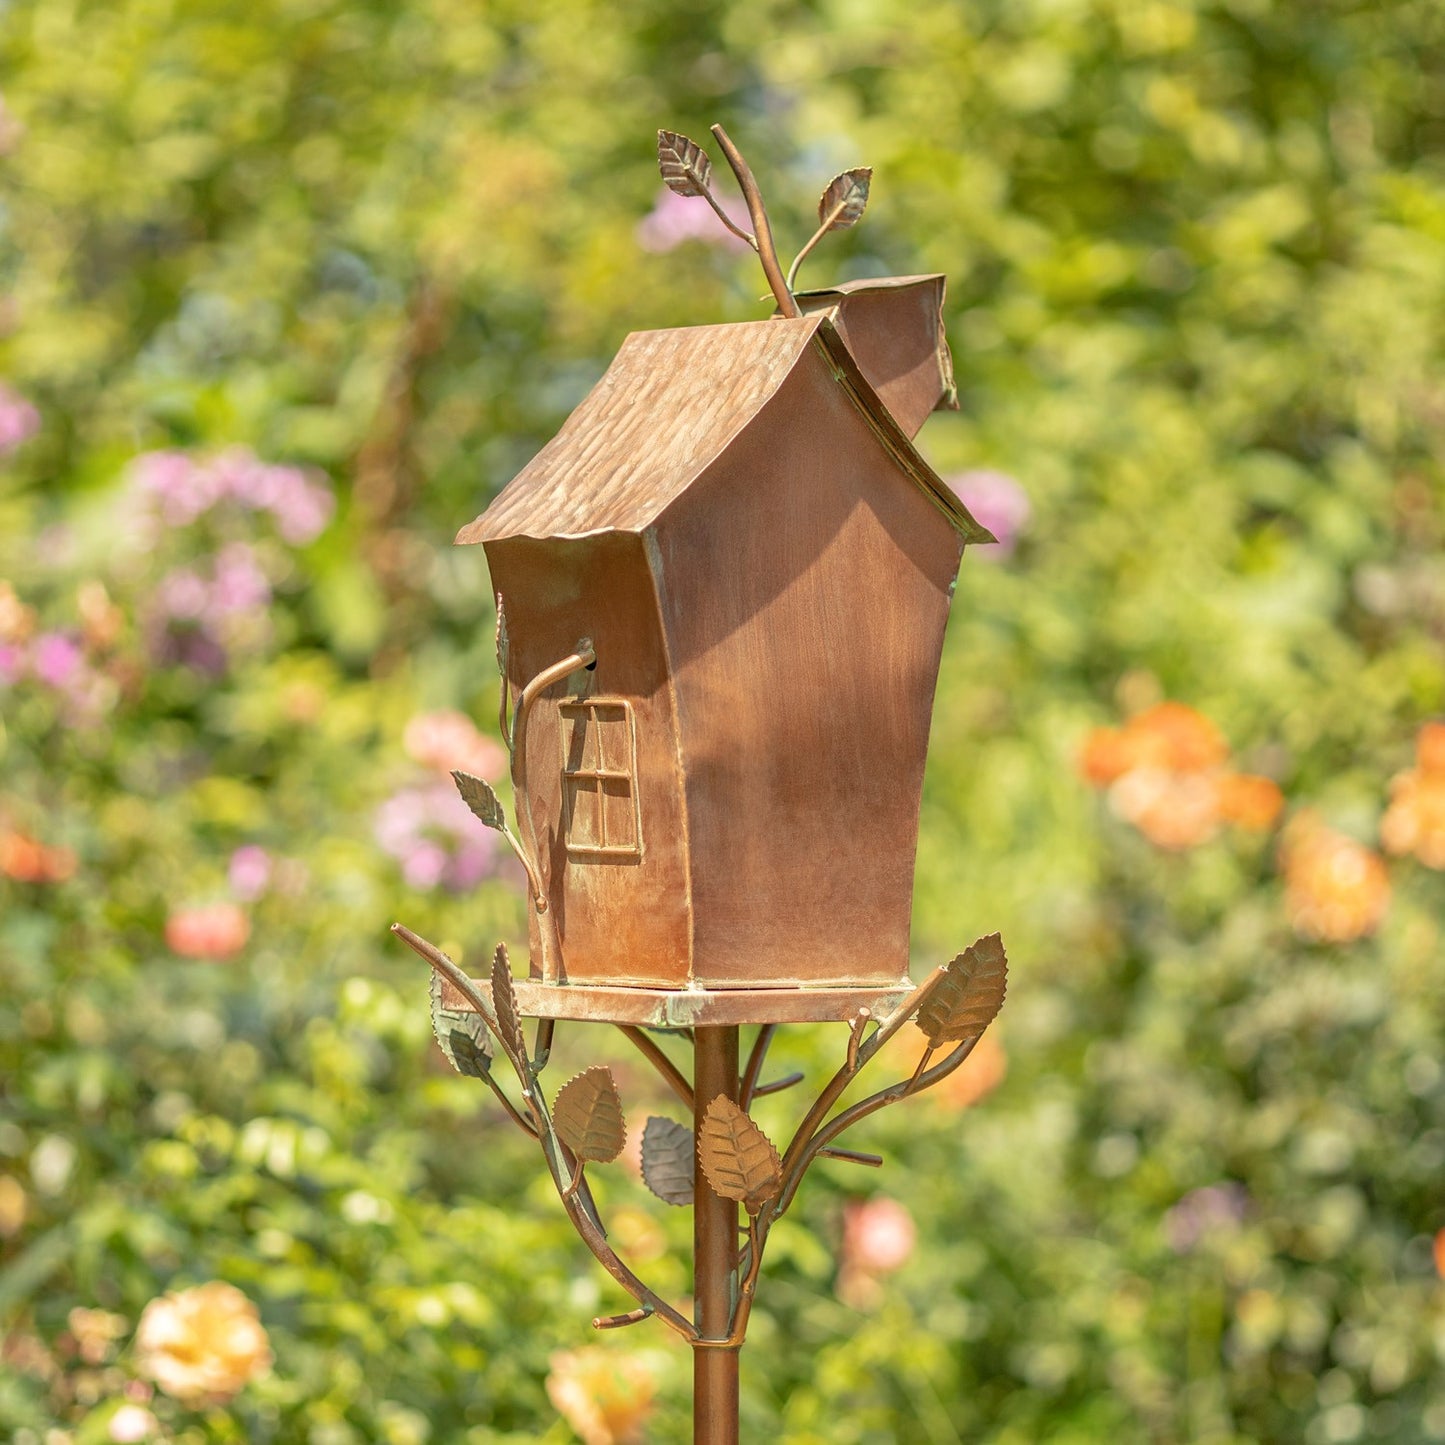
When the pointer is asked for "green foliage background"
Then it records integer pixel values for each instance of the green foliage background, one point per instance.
(1196, 252)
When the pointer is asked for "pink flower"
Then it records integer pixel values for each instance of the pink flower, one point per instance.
(239, 584)
(249, 872)
(12, 662)
(448, 739)
(180, 487)
(183, 488)
(878, 1238)
(435, 838)
(19, 420)
(675, 219)
(998, 502)
(56, 659)
(1203, 1211)
(209, 931)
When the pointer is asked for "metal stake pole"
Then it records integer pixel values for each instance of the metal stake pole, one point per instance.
(715, 1255)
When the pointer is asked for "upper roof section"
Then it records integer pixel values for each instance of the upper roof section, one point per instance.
(893, 325)
(667, 407)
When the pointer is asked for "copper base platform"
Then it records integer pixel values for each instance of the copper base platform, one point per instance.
(675, 1008)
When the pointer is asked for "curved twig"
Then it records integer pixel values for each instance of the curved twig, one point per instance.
(793, 1177)
(671, 1074)
(728, 221)
(767, 252)
(584, 656)
(759, 1052)
(747, 1288)
(469, 991)
(814, 239)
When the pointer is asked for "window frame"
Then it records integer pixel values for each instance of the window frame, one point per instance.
(586, 709)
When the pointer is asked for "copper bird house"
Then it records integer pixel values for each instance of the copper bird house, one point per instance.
(720, 790)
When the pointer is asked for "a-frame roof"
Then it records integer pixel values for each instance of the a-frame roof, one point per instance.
(667, 407)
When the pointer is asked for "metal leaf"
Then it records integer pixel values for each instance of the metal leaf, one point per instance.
(969, 995)
(504, 644)
(588, 1116)
(737, 1157)
(461, 1035)
(684, 164)
(845, 200)
(667, 1155)
(477, 794)
(504, 1000)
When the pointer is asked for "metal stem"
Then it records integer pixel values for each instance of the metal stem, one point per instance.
(671, 1074)
(767, 252)
(715, 1257)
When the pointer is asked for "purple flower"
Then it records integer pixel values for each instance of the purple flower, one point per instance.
(675, 219)
(997, 501)
(56, 659)
(19, 420)
(249, 872)
(435, 838)
(1202, 1211)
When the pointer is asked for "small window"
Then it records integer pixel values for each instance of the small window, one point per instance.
(599, 791)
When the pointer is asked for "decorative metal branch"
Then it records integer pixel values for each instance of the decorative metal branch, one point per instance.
(686, 169)
(585, 1125)
(504, 709)
(841, 205)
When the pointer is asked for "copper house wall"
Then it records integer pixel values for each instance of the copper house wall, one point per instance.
(805, 587)
(620, 920)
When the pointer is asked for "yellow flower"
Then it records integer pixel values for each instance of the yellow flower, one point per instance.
(604, 1395)
(204, 1343)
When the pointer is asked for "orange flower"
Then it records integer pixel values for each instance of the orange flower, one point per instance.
(1336, 890)
(1165, 773)
(1169, 736)
(1250, 801)
(28, 861)
(211, 930)
(17, 621)
(447, 740)
(1415, 820)
(603, 1394)
(1430, 748)
(1172, 810)
(202, 1344)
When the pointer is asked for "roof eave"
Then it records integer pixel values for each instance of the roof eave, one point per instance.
(894, 439)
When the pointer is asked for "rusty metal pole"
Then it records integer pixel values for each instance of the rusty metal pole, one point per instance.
(715, 1255)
